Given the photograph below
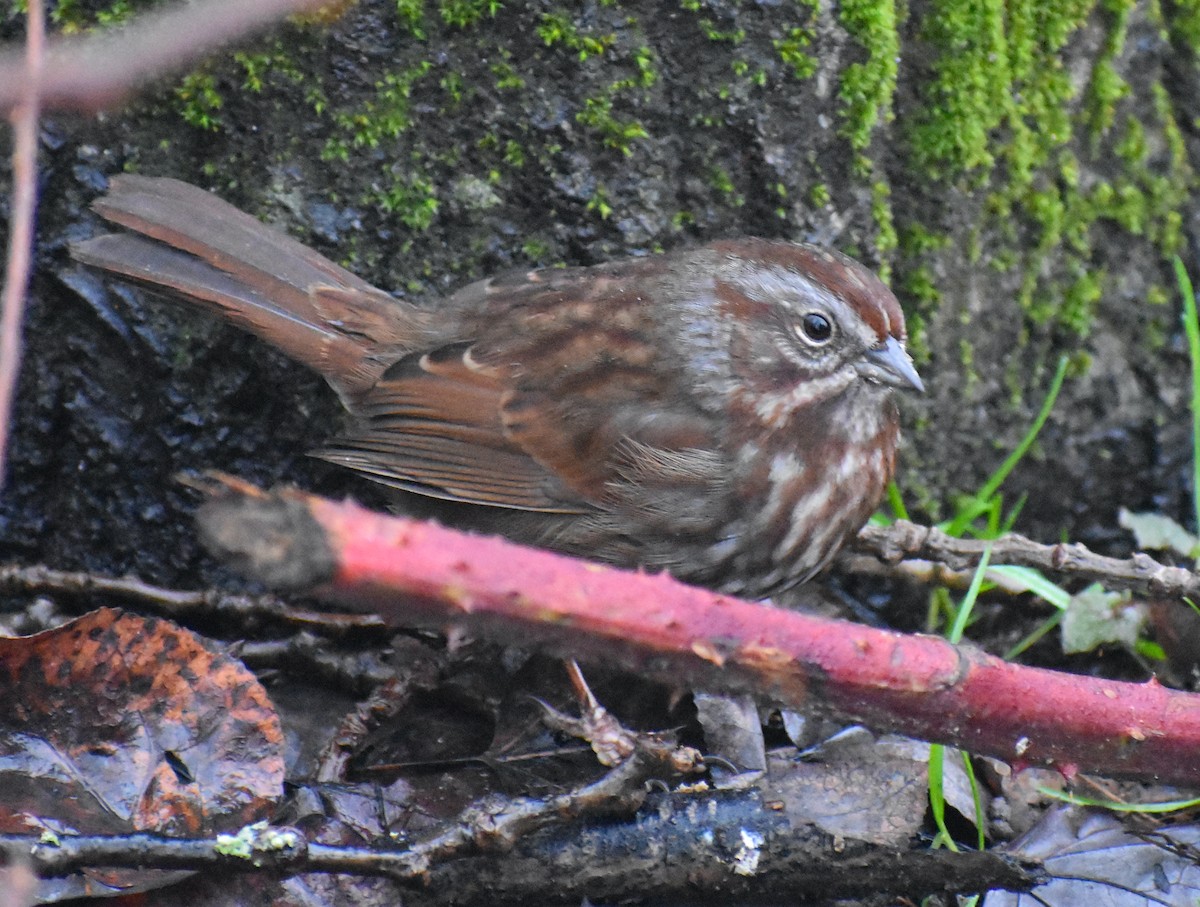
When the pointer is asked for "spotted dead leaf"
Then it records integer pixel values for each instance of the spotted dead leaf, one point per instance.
(115, 723)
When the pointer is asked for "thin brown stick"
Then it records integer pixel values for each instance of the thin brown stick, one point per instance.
(1141, 573)
(20, 239)
(91, 73)
(247, 612)
(494, 824)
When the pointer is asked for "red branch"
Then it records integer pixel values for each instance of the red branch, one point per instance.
(417, 573)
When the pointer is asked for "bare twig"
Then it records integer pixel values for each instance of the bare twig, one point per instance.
(494, 824)
(682, 844)
(91, 73)
(24, 77)
(248, 611)
(498, 823)
(1140, 573)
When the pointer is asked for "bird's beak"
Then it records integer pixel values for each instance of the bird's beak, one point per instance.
(889, 363)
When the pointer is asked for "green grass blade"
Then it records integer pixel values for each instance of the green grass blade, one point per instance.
(1049, 624)
(937, 795)
(955, 634)
(977, 801)
(960, 523)
(1191, 327)
(899, 511)
(1033, 581)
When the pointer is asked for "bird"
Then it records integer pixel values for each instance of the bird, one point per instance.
(725, 413)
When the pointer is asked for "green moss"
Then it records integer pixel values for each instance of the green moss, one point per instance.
(598, 203)
(411, 14)
(514, 154)
(507, 78)
(1080, 300)
(793, 54)
(465, 13)
(413, 199)
(199, 101)
(452, 84)
(559, 28)
(1106, 88)
(276, 62)
(916, 239)
(997, 64)
(731, 36)
(885, 228)
(968, 94)
(386, 116)
(644, 61)
(818, 195)
(867, 87)
(1001, 109)
(535, 250)
(918, 286)
(918, 338)
(597, 114)
(1104, 91)
(74, 16)
(1184, 23)
(966, 357)
(722, 183)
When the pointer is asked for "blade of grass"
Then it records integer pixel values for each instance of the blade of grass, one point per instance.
(937, 753)
(899, 511)
(937, 796)
(959, 626)
(1046, 626)
(977, 801)
(959, 524)
(1164, 807)
(1034, 582)
(1191, 327)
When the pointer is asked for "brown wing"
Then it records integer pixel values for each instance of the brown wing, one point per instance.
(558, 398)
(432, 425)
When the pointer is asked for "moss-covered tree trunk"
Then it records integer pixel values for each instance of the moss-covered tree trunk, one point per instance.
(1020, 171)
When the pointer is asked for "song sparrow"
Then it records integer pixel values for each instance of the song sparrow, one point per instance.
(724, 413)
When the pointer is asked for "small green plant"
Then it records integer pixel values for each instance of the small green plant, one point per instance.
(791, 50)
(384, 117)
(597, 114)
(558, 28)
(413, 200)
(507, 78)
(598, 203)
(463, 13)
(200, 102)
(411, 14)
(819, 195)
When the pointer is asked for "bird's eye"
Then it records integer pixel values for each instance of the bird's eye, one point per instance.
(815, 328)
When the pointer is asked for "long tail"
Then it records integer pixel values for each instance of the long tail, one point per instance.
(189, 244)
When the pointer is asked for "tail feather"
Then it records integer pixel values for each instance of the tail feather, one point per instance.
(190, 244)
